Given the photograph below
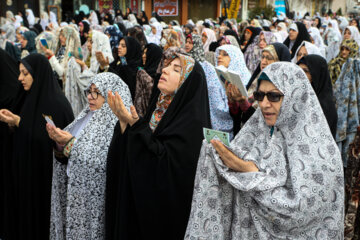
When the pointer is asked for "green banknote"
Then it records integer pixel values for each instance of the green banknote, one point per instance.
(210, 134)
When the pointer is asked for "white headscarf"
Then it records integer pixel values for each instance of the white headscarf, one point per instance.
(354, 34)
(133, 19)
(18, 21)
(211, 37)
(93, 19)
(101, 43)
(310, 48)
(30, 17)
(155, 38)
(318, 40)
(44, 20)
(283, 32)
(53, 20)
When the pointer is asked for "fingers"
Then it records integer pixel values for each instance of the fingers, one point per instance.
(134, 113)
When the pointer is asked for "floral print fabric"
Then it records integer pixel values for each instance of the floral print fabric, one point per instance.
(347, 99)
(78, 188)
(237, 62)
(298, 192)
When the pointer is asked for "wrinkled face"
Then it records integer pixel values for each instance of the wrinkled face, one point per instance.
(247, 35)
(170, 77)
(25, 77)
(344, 52)
(62, 39)
(144, 56)
(204, 38)
(293, 35)
(223, 59)
(188, 45)
(306, 70)
(95, 99)
(301, 53)
(262, 42)
(270, 110)
(122, 49)
(347, 34)
(266, 59)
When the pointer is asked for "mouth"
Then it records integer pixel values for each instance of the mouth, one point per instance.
(162, 79)
(268, 115)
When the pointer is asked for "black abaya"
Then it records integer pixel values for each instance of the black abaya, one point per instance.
(127, 72)
(9, 86)
(303, 35)
(28, 204)
(322, 86)
(150, 175)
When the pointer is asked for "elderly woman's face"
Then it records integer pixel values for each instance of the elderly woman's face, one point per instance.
(223, 59)
(270, 110)
(301, 53)
(25, 77)
(95, 99)
(266, 59)
(170, 77)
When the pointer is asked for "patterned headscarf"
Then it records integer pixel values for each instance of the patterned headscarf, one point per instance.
(172, 38)
(197, 52)
(115, 35)
(187, 64)
(237, 61)
(298, 192)
(336, 64)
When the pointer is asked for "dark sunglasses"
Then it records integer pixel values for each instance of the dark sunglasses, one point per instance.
(271, 96)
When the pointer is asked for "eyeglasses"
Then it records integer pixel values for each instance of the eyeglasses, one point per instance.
(271, 96)
(268, 58)
(94, 94)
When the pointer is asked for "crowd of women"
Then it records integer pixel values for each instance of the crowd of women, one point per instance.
(102, 118)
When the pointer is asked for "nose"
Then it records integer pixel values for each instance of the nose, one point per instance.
(265, 103)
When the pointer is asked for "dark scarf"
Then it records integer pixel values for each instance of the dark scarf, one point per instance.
(28, 200)
(322, 86)
(303, 35)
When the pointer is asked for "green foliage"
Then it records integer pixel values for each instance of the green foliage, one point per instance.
(268, 12)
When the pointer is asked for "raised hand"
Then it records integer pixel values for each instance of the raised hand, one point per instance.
(117, 106)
